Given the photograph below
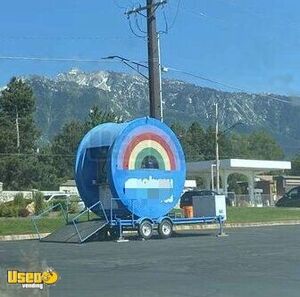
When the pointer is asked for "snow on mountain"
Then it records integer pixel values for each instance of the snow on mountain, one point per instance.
(71, 95)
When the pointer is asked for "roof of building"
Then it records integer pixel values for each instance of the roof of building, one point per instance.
(288, 177)
(238, 164)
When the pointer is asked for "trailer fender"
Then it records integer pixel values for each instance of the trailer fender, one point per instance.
(140, 220)
(164, 218)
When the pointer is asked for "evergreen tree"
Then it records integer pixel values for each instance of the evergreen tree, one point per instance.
(240, 146)
(295, 165)
(209, 146)
(17, 106)
(200, 144)
(264, 146)
(196, 140)
(180, 132)
(97, 117)
(63, 148)
(20, 168)
(27, 172)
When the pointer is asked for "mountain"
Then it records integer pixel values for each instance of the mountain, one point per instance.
(71, 96)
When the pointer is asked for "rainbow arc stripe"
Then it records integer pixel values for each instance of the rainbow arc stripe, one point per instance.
(148, 144)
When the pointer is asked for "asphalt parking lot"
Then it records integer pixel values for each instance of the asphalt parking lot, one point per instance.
(249, 262)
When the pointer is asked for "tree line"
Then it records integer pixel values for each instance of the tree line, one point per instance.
(28, 163)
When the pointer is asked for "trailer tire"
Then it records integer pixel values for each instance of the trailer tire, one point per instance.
(145, 229)
(165, 229)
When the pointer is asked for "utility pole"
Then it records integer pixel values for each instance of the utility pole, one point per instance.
(153, 62)
(154, 67)
(18, 130)
(217, 151)
(212, 176)
(160, 81)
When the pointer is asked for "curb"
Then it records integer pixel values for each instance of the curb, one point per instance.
(236, 225)
(21, 236)
(176, 228)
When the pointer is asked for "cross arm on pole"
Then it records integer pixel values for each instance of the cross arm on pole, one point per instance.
(142, 8)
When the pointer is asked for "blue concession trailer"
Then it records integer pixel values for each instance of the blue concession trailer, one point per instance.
(131, 175)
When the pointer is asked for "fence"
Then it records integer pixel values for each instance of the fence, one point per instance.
(260, 200)
(11, 207)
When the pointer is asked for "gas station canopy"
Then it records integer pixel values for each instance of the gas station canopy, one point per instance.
(194, 168)
(249, 168)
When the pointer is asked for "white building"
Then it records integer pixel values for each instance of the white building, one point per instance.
(69, 187)
(249, 168)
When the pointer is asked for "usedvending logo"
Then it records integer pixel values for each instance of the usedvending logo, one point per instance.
(32, 279)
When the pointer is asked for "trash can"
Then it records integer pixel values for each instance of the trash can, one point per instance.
(188, 211)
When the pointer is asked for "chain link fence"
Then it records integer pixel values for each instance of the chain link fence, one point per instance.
(24, 204)
(261, 200)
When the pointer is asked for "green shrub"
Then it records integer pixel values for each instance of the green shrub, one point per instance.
(39, 203)
(73, 207)
(8, 204)
(2, 210)
(8, 210)
(16, 207)
(63, 203)
(19, 200)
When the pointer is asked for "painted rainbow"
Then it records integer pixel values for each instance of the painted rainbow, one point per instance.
(148, 146)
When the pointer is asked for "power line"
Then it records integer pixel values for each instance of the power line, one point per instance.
(176, 15)
(205, 78)
(93, 38)
(138, 25)
(166, 31)
(110, 60)
(47, 59)
(106, 59)
(223, 84)
(132, 30)
(36, 155)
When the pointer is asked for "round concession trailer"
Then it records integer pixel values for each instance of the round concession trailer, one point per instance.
(131, 175)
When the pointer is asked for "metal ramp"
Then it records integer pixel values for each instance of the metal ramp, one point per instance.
(79, 229)
(81, 233)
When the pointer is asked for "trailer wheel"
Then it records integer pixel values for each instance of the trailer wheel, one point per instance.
(165, 229)
(145, 229)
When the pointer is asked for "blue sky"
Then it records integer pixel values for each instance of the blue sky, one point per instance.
(251, 44)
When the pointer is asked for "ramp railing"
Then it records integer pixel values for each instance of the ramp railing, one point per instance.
(86, 231)
(114, 216)
(36, 219)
